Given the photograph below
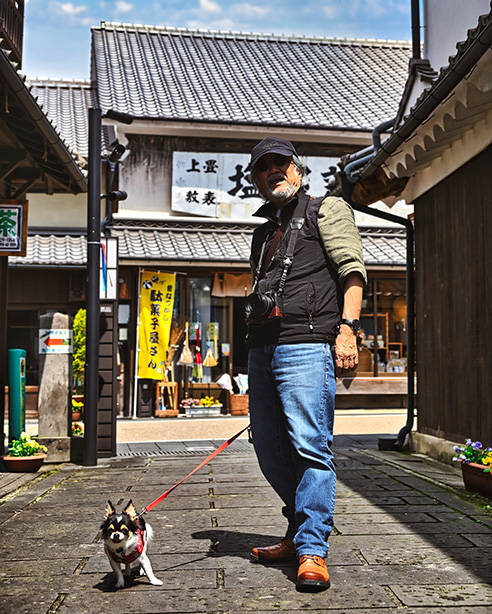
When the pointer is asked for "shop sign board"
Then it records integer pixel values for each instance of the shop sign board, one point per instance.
(154, 326)
(13, 228)
(218, 185)
(57, 341)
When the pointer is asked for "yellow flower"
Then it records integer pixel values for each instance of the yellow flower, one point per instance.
(487, 460)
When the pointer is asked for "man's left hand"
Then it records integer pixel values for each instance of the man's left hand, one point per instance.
(346, 352)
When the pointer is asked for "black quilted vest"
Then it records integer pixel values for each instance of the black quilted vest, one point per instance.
(312, 300)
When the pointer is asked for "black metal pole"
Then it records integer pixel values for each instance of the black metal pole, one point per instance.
(410, 338)
(347, 188)
(91, 388)
(4, 271)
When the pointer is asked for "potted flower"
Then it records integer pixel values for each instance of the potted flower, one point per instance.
(476, 464)
(77, 407)
(24, 455)
(77, 430)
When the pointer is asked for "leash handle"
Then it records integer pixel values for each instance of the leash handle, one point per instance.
(202, 464)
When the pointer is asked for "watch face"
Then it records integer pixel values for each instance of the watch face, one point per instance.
(356, 325)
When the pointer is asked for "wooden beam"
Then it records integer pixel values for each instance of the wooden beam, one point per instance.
(5, 172)
(25, 188)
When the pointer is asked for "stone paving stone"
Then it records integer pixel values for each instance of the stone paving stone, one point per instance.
(410, 528)
(433, 594)
(174, 580)
(150, 600)
(374, 541)
(481, 540)
(28, 568)
(360, 509)
(412, 555)
(383, 517)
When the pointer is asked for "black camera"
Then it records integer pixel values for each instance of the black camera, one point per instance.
(262, 307)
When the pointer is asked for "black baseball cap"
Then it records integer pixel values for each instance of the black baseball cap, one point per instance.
(274, 145)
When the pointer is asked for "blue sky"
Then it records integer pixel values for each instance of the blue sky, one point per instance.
(57, 34)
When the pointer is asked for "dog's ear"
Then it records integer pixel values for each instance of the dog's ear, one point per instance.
(130, 510)
(109, 510)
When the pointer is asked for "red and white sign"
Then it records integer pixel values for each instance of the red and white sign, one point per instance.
(55, 341)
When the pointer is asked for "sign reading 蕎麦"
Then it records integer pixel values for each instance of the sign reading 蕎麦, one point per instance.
(13, 228)
(155, 317)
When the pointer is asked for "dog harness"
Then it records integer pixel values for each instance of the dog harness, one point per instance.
(126, 559)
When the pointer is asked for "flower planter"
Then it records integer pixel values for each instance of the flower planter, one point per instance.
(23, 464)
(76, 415)
(203, 410)
(476, 480)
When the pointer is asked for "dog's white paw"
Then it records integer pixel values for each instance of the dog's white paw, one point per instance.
(120, 584)
(156, 582)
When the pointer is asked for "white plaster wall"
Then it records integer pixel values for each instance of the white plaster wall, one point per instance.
(447, 22)
(57, 210)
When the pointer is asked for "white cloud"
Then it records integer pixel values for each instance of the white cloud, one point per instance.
(123, 7)
(210, 7)
(249, 11)
(67, 8)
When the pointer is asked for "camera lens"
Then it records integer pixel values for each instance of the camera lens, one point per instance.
(259, 305)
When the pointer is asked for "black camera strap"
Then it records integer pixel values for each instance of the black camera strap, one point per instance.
(296, 223)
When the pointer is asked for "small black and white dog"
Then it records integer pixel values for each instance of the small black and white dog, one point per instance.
(126, 537)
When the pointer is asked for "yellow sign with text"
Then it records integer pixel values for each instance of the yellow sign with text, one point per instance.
(156, 312)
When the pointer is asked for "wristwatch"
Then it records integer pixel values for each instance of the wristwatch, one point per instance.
(354, 324)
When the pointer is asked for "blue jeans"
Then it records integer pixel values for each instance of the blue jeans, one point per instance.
(291, 401)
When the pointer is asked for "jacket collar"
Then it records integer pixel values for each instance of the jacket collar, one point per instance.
(269, 211)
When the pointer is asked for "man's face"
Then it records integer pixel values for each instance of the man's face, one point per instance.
(278, 178)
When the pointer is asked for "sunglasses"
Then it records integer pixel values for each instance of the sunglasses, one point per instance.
(264, 163)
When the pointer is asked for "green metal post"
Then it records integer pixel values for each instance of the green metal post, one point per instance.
(17, 393)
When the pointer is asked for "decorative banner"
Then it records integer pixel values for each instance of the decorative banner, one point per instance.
(13, 228)
(156, 311)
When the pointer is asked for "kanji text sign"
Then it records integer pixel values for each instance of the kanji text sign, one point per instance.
(57, 341)
(13, 228)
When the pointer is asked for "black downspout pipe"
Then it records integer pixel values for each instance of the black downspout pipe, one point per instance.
(410, 282)
(415, 8)
(93, 248)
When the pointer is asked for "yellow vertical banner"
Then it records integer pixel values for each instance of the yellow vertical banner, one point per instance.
(156, 312)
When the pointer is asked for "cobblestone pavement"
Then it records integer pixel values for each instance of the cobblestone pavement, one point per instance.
(408, 538)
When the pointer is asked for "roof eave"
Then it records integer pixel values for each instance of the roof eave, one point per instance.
(17, 85)
(431, 100)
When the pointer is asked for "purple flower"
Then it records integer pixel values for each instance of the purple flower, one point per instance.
(468, 442)
(477, 445)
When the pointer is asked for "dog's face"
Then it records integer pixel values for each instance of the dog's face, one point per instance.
(118, 528)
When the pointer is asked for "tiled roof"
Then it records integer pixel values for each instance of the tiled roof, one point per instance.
(384, 247)
(214, 243)
(66, 104)
(53, 250)
(255, 79)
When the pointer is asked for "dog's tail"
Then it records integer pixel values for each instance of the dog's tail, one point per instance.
(150, 531)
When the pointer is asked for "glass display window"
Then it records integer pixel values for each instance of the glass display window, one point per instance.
(383, 341)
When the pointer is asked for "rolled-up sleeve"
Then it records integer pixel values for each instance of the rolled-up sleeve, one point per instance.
(341, 238)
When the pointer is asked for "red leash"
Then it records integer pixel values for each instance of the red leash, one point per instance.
(202, 464)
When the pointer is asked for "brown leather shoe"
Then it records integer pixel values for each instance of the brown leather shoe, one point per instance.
(312, 576)
(279, 553)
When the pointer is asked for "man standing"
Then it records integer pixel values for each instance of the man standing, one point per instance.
(307, 291)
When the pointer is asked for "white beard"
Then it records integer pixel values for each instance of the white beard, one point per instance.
(279, 195)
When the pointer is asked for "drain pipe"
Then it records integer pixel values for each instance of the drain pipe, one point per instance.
(410, 284)
(357, 163)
